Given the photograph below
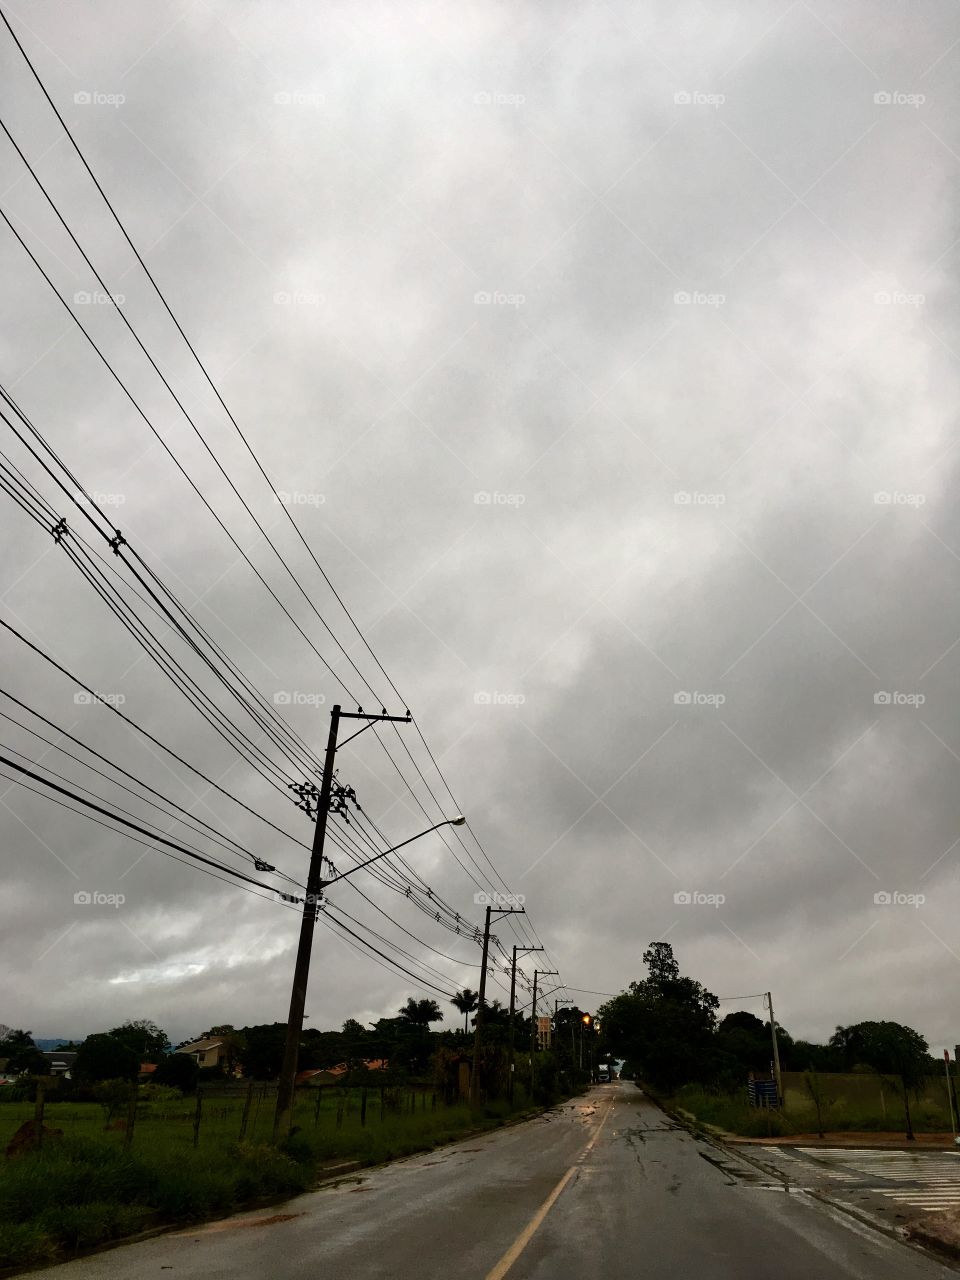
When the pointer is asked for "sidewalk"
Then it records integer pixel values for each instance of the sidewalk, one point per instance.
(850, 1139)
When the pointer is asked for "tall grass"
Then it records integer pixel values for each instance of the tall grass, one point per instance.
(86, 1188)
(733, 1113)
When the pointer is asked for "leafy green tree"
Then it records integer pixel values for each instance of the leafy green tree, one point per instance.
(263, 1055)
(466, 1001)
(104, 1057)
(179, 1070)
(144, 1037)
(664, 1024)
(890, 1049)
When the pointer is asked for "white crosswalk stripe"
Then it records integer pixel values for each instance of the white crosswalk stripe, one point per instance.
(936, 1175)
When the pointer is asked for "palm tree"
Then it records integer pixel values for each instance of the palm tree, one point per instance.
(420, 1013)
(466, 1001)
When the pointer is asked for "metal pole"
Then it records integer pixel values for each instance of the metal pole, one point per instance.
(513, 1005)
(953, 1114)
(776, 1051)
(298, 995)
(533, 1027)
(478, 1020)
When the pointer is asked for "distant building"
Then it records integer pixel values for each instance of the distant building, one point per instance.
(337, 1074)
(544, 1032)
(206, 1053)
(61, 1064)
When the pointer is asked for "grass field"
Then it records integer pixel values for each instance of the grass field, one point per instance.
(88, 1187)
(861, 1103)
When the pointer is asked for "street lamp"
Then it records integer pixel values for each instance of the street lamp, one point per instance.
(458, 821)
(286, 1083)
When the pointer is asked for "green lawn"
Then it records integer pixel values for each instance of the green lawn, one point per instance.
(87, 1187)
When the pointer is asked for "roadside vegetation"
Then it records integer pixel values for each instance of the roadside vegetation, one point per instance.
(873, 1076)
(87, 1187)
(118, 1157)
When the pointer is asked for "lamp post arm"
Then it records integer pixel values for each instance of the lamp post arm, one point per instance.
(447, 822)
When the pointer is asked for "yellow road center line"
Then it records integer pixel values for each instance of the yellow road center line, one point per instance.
(530, 1230)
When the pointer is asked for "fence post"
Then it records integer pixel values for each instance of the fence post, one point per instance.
(38, 1116)
(340, 1104)
(131, 1115)
(363, 1108)
(245, 1117)
(383, 1094)
(316, 1109)
(196, 1117)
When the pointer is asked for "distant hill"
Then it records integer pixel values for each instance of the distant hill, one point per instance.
(50, 1044)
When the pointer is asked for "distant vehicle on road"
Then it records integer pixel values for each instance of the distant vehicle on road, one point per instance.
(605, 1073)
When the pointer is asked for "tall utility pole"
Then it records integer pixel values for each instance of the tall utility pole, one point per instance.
(513, 1005)
(776, 1051)
(478, 1020)
(311, 906)
(537, 973)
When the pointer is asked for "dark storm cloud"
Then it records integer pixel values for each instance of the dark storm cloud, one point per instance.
(611, 355)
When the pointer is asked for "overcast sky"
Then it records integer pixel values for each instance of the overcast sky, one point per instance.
(608, 356)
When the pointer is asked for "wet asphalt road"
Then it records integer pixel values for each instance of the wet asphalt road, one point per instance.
(606, 1187)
